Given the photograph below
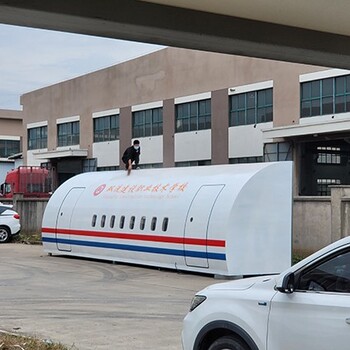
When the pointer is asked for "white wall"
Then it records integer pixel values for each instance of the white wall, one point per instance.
(151, 149)
(107, 153)
(5, 167)
(246, 140)
(32, 160)
(193, 145)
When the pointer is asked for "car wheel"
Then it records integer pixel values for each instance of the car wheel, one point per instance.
(228, 343)
(5, 234)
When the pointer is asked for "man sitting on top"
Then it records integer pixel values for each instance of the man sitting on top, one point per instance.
(131, 155)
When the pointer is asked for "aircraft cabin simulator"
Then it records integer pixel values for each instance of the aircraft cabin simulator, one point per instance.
(228, 219)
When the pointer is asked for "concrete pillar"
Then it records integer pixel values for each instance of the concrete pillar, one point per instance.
(125, 132)
(219, 127)
(168, 133)
(16, 198)
(337, 211)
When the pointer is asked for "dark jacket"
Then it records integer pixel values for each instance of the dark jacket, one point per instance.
(133, 154)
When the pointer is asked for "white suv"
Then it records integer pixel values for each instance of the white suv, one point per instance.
(9, 223)
(305, 307)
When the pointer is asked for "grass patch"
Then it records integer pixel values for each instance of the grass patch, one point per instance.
(19, 342)
(28, 238)
(296, 258)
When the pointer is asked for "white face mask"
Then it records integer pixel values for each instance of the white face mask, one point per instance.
(136, 147)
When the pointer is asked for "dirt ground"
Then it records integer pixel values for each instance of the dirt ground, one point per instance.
(91, 304)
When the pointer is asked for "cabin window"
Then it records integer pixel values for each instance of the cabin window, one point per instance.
(165, 224)
(93, 222)
(112, 221)
(143, 223)
(103, 220)
(121, 222)
(132, 223)
(153, 223)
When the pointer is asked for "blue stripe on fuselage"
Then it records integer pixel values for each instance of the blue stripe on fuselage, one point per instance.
(135, 248)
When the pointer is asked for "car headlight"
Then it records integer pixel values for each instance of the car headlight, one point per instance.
(196, 301)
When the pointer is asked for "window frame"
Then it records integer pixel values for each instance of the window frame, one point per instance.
(142, 223)
(103, 221)
(112, 221)
(9, 147)
(246, 108)
(314, 265)
(193, 116)
(68, 134)
(106, 128)
(93, 220)
(165, 224)
(147, 122)
(37, 137)
(132, 222)
(154, 223)
(122, 222)
(312, 104)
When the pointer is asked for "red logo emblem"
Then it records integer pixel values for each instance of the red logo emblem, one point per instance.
(99, 190)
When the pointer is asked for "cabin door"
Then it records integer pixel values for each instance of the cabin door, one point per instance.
(196, 227)
(63, 222)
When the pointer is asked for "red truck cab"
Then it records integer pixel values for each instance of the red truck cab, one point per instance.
(31, 181)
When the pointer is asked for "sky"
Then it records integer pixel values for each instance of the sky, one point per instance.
(34, 58)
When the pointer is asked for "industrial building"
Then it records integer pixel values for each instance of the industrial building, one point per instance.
(195, 108)
(192, 108)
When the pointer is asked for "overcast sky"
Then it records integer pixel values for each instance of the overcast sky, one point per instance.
(33, 58)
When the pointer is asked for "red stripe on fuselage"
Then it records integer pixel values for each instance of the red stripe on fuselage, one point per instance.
(137, 237)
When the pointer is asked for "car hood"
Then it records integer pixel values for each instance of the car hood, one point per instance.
(241, 284)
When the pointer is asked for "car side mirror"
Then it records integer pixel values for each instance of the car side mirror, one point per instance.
(287, 285)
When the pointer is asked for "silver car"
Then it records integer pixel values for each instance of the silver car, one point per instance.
(9, 223)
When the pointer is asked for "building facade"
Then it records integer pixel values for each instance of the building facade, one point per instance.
(11, 126)
(186, 107)
(191, 108)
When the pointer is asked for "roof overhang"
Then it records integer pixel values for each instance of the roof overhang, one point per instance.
(313, 129)
(82, 153)
(16, 156)
(314, 31)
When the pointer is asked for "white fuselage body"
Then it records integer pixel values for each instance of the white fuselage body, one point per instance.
(229, 219)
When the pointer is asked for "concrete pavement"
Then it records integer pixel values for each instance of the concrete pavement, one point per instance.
(91, 304)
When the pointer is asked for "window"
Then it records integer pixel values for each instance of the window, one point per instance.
(106, 128)
(241, 160)
(153, 223)
(8, 148)
(278, 151)
(93, 221)
(68, 134)
(165, 224)
(342, 94)
(252, 107)
(89, 164)
(37, 138)
(193, 163)
(329, 155)
(193, 116)
(332, 275)
(323, 186)
(107, 168)
(103, 220)
(147, 123)
(143, 223)
(152, 165)
(112, 221)
(121, 222)
(325, 96)
(132, 223)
